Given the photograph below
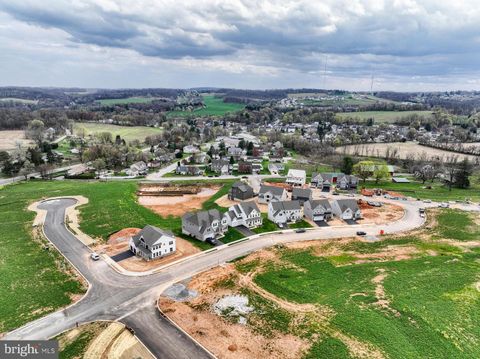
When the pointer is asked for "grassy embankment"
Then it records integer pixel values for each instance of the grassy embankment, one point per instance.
(422, 305)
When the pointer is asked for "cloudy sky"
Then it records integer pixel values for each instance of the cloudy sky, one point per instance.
(404, 44)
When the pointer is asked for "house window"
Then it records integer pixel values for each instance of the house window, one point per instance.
(170, 243)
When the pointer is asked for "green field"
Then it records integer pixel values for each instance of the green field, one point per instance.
(438, 191)
(348, 99)
(33, 285)
(124, 101)
(214, 107)
(381, 116)
(422, 306)
(128, 133)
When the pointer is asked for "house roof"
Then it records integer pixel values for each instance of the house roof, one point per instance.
(400, 180)
(150, 235)
(285, 206)
(243, 207)
(301, 192)
(296, 173)
(320, 202)
(241, 186)
(344, 204)
(203, 219)
(277, 191)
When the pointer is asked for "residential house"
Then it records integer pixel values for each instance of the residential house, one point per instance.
(235, 152)
(240, 191)
(137, 169)
(284, 211)
(347, 182)
(318, 210)
(245, 167)
(269, 194)
(276, 168)
(296, 177)
(201, 158)
(346, 209)
(152, 242)
(244, 214)
(204, 225)
(190, 149)
(220, 166)
(188, 170)
(301, 195)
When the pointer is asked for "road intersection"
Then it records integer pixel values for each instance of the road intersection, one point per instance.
(132, 300)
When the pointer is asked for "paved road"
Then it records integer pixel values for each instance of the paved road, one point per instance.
(132, 299)
(5, 181)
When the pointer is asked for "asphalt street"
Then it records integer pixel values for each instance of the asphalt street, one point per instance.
(131, 300)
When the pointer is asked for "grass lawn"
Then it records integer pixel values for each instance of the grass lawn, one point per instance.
(32, 283)
(439, 192)
(300, 224)
(232, 235)
(381, 116)
(267, 225)
(432, 301)
(124, 101)
(70, 348)
(128, 133)
(214, 107)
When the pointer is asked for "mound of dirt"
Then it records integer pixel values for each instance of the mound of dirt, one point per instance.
(122, 235)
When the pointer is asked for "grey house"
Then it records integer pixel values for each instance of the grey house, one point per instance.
(346, 209)
(152, 242)
(244, 214)
(241, 191)
(301, 195)
(204, 225)
(318, 210)
(220, 166)
(323, 181)
(347, 182)
(284, 211)
(269, 194)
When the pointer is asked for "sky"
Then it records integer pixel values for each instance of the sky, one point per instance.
(399, 45)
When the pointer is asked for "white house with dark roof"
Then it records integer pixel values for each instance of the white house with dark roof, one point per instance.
(152, 242)
(204, 225)
(244, 214)
(285, 211)
(318, 210)
(240, 191)
(269, 194)
(346, 209)
(296, 177)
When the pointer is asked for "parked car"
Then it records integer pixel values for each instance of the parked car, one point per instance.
(94, 256)
(444, 205)
(361, 233)
(427, 201)
(300, 230)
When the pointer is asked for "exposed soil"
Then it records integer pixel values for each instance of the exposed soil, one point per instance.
(379, 215)
(177, 205)
(118, 243)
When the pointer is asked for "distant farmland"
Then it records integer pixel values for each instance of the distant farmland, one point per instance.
(20, 100)
(382, 116)
(124, 101)
(9, 140)
(401, 149)
(214, 107)
(128, 133)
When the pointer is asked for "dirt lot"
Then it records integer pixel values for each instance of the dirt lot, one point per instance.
(225, 202)
(177, 205)
(380, 215)
(118, 243)
(226, 339)
(106, 340)
(10, 139)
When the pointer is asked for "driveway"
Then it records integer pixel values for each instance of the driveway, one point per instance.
(122, 256)
(245, 231)
(131, 299)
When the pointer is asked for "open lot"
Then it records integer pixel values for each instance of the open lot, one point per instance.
(9, 140)
(401, 149)
(123, 101)
(128, 133)
(382, 116)
(101, 340)
(213, 107)
(410, 296)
